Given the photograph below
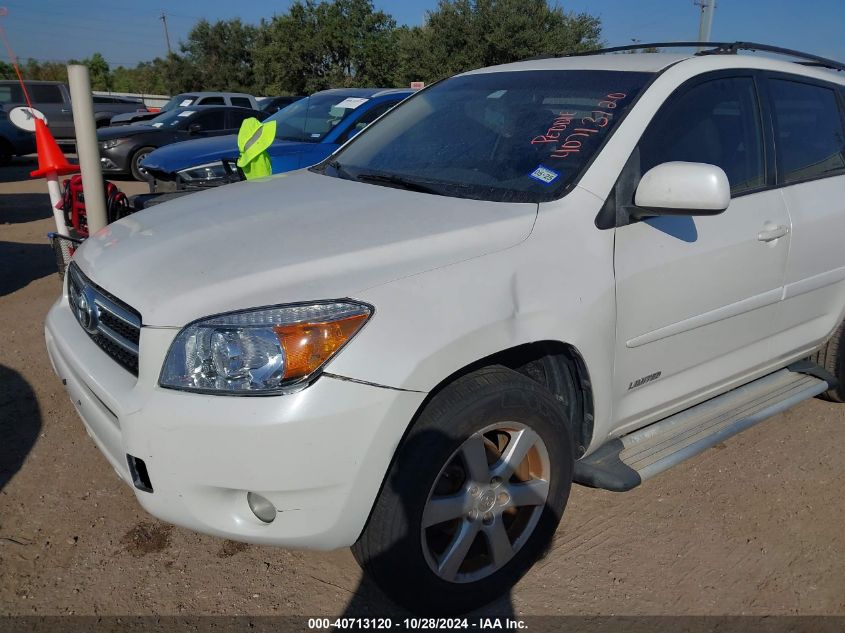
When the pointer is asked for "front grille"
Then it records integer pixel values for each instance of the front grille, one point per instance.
(114, 326)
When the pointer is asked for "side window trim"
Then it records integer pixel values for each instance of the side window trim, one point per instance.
(705, 78)
(613, 213)
(839, 92)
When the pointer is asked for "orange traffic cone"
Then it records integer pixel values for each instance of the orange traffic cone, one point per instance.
(51, 160)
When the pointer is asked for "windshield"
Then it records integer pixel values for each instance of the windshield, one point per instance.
(179, 101)
(312, 118)
(503, 136)
(172, 118)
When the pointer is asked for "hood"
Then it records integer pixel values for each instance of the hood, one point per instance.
(179, 156)
(298, 236)
(120, 131)
(133, 116)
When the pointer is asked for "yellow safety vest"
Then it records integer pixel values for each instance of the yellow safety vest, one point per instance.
(254, 138)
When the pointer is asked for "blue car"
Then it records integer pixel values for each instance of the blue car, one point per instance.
(13, 141)
(307, 131)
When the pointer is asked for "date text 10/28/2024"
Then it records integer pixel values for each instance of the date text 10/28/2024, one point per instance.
(356, 624)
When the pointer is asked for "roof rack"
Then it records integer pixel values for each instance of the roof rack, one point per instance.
(721, 48)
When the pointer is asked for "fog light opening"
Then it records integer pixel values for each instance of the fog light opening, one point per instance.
(261, 507)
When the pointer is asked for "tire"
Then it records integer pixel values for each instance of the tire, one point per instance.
(137, 157)
(409, 562)
(6, 153)
(832, 358)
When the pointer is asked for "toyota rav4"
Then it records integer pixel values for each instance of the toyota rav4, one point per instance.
(583, 268)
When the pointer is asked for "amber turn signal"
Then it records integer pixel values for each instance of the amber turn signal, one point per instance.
(309, 345)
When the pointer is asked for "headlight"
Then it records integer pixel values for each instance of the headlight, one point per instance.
(112, 142)
(260, 352)
(211, 171)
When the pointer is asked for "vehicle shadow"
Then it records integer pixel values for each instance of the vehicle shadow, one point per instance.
(20, 208)
(369, 601)
(21, 264)
(20, 422)
(19, 168)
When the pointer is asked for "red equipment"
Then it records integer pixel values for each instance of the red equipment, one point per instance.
(73, 205)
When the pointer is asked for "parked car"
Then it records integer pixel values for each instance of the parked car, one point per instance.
(271, 105)
(186, 99)
(583, 268)
(122, 149)
(306, 132)
(53, 99)
(13, 140)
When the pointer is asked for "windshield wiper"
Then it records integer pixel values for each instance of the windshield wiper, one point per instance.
(399, 181)
(340, 170)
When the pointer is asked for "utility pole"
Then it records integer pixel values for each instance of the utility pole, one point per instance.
(705, 26)
(163, 18)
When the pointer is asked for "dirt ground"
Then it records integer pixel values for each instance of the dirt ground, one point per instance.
(754, 526)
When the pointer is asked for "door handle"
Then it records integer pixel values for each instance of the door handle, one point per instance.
(65, 110)
(773, 233)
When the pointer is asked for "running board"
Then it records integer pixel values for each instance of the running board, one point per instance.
(626, 462)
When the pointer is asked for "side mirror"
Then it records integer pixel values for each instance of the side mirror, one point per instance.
(680, 188)
(194, 128)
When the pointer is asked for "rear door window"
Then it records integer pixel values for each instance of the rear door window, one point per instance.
(809, 131)
(209, 121)
(241, 102)
(212, 101)
(45, 93)
(236, 118)
(716, 122)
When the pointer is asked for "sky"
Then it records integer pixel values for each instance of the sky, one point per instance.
(129, 31)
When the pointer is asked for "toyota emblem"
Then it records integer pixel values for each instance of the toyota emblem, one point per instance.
(87, 312)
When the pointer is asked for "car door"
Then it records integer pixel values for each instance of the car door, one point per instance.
(234, 119)
(210, 123)
(50, 99)
(698, 297)
(810, 141)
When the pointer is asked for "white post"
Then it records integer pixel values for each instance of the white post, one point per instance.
(82, 104)
(705, 25)
(55, 192)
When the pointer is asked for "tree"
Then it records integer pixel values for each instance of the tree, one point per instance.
(221, 55)
(98, 70)
(463, 34)
(327, 44)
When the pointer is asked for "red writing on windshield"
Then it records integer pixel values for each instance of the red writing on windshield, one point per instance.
(560, 124)
(569, 141)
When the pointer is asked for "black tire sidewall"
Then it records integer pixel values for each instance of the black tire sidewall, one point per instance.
(134, 169)
(439, 432)
(6, 153)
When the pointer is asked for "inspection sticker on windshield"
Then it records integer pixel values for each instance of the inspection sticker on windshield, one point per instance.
(187, 113)
(351, 103)
(544, 174)
(186, 102)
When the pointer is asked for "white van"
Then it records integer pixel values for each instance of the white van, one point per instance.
(582, 268)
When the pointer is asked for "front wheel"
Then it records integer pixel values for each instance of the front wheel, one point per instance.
(138, 172)
(474, 496)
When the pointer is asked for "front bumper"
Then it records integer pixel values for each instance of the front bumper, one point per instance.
(115, 160)
(319, 455)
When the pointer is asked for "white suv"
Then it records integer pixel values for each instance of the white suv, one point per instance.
(584, 268)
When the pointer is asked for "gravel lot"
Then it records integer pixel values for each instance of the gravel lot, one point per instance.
(754, 526)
